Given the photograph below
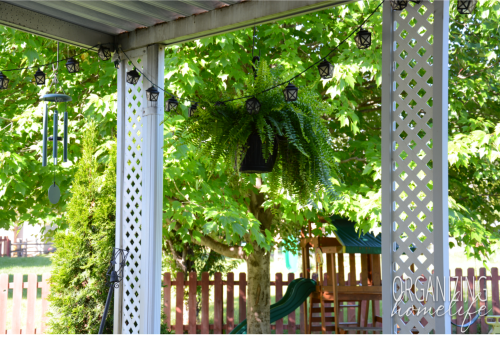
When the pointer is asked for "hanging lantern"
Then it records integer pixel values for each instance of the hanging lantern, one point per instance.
(152, 96)
(363, 39)
(4, 81)
(72, 65)
(104, 53)
(133, 77)
(192, 109)
(325, 69)
(399, 5)
(252, 105)
(40, 77)
(172, 104)
(291, 92)
(466, 7)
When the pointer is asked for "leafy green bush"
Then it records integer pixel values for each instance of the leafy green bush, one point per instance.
(306, 159)
(78, 284)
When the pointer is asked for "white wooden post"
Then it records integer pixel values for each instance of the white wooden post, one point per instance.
(129, 191)
(415, 165)
(152, 188)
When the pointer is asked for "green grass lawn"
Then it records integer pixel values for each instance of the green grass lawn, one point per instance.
(25, 265)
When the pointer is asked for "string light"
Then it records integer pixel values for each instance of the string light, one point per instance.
(192, 109)
(152, 95)
(325, 69)
(72, 65)
(40, 77)
(399, 5)
(172, 104)
(4, 81)
(363, 38)
(252, 105)
(133, 77)
(104, 53)
(291, 93)
(466, 6)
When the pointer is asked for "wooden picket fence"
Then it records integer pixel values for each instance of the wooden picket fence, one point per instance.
(212, 292)
(17, 287)
(5, 247)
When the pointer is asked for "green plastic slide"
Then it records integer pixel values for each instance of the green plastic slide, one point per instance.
(296, 294)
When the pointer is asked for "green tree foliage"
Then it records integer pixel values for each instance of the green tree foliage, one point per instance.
(78, 283)
(24, 182)
(354, 94)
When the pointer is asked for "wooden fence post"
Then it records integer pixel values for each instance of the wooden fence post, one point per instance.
(45, 302)
(460, 302)
(4, 292)
(32, 291)
(17, 296)
(192, 302)
(471, 278)
(279, 295)
(167, 303)
(218, 303)
(179, 303)
(205, 285)
(291, 327)
(243, 296)
(483, 300)
(230, 302)
(302, 316)
(494, 291)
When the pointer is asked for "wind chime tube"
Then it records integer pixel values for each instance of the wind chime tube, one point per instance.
(54, 136)
(45, 127)
(65, 141)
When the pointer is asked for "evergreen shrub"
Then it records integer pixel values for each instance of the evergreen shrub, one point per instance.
(78, 284)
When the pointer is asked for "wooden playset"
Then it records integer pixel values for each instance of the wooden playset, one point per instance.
(340, 252)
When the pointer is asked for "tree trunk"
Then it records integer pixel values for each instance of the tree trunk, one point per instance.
(259, 292)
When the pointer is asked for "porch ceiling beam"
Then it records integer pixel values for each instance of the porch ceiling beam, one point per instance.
(219, 21)
(50, 27)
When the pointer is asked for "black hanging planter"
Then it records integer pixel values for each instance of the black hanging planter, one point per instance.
(254, 162)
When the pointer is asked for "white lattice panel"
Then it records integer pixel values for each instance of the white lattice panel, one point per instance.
(412, 166)
(132, 197)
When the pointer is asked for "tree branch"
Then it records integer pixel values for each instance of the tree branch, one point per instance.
(223, 249)
(359, 159)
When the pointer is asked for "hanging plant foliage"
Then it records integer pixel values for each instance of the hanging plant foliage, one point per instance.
(294, 134)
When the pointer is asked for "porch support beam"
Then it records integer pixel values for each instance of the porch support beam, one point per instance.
(50, 27)
(152, 201)
(223, 20)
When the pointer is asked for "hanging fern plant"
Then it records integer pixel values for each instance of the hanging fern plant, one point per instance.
(305, 160)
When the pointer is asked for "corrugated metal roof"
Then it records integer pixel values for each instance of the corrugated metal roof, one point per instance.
(353, 241)
(115, 17)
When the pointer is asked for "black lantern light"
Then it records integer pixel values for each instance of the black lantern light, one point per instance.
(252, 105)
(4, 81)
(192, 109)
(104, 53)
(291, 92)
(152, 96)
(399, 5)
(73, 65)
(133, 77)
(325, 69)
(363, 38)
(466, 6)
(172, 104)
(40, 77)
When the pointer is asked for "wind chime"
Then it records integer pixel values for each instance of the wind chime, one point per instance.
(52, 104)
